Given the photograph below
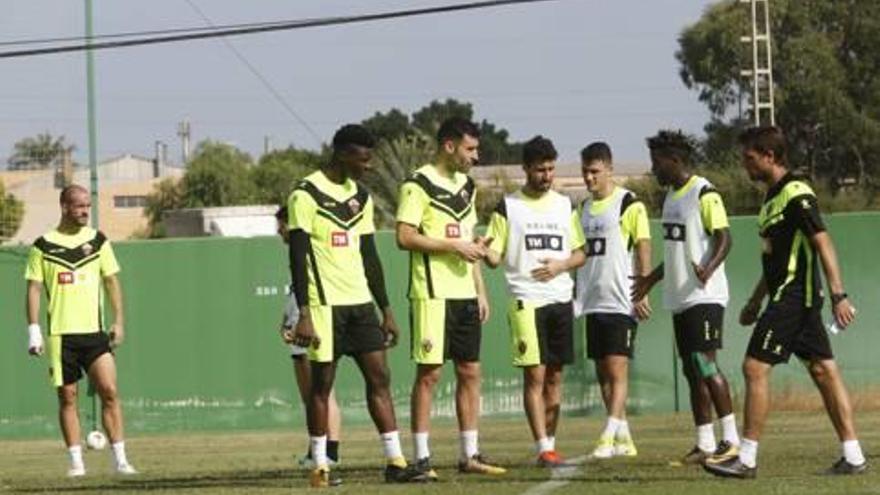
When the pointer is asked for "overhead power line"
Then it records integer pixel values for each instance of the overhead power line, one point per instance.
(140, 39)
(263, 80)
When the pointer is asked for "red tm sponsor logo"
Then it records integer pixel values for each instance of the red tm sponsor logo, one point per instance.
(65, 278)
(453, 231)
(339, 239)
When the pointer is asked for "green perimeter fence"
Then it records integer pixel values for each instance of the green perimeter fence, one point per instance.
(202, 349)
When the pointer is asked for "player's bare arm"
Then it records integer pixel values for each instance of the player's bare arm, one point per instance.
(843, 310)
(114, 291)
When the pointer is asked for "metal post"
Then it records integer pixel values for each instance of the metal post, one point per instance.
(761, 73)
(90, 98)
(93, 158)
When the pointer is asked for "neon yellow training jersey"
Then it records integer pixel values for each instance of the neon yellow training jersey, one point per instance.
(72, 269)
(335, 216)
(441, 208)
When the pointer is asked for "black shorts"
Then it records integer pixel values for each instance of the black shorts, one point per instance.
(788, 327)
(698, 328)
(610, 333)
(541, 335)
(350, 329)
(77, 353)
(444, 329)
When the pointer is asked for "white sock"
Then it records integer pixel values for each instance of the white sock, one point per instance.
(611, 427)
(748, 452)
(728, 429)
(118, 449)
(391, 445)
(706, 437)
(319, 450)
(852, 452)
(469, 444)
(544, 445)
(76, 455)
(623, 430)
(420, 445)
(552, 440)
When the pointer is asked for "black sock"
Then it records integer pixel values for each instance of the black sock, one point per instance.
(333, 450)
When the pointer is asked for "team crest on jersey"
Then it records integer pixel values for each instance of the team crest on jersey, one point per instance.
(427, 345)
(339, 239)
(354, 205)
(522, 347)
(65, 278)
(87, 249)
(453, 231)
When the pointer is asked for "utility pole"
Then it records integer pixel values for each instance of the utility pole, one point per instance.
(761, 73)
(93, 131)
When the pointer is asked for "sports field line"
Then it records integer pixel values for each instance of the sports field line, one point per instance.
(559, 477)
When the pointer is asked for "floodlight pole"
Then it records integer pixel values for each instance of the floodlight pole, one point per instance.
(90, 99)
(93, 155)
(761, 73)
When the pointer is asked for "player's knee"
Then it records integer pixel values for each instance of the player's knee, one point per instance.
(67, 397)
(109, 394)
(753, 369)
(705, 366)
(818, 370)
(427, 380)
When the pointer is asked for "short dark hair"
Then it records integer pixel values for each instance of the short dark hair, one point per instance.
(597, 151)
(67, 192)
(764, 140)
(455, 128)
(281, 214)
(673, 144)
(353, 135)
(538, 150)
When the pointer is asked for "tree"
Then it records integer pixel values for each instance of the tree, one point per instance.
(826, 57)
(11, 213)
(39, 152)
(278, 171)
(494, 145)
(389, 126)
(393, 161)
(218, 175)
(167, 195)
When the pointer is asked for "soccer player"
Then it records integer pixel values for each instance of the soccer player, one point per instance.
(336, 276)
(71, 264)
(794, 242)
(435, 222)
(697, 239)
(615, 224)
(301, 365)
(536, 234)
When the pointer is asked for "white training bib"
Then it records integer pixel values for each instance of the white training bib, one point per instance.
(686, 243)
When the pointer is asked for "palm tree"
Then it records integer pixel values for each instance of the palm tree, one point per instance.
(39, 152)
(393, 161)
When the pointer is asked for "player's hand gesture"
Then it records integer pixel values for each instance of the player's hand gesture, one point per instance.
(389, 328)
(483, 308)
(703, 274)
(548, 270)
(304, 332)
(749, 314)
(642, 285)
(35, 340)
(286, 333)
(470, 251)
(643, 309)
(844, 312)
(117, 335)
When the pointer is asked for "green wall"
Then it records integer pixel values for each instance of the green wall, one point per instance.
(202, 349)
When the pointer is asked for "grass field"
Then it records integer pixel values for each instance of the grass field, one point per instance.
(796, 449)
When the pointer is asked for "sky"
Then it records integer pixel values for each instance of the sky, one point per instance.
(575, 71)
